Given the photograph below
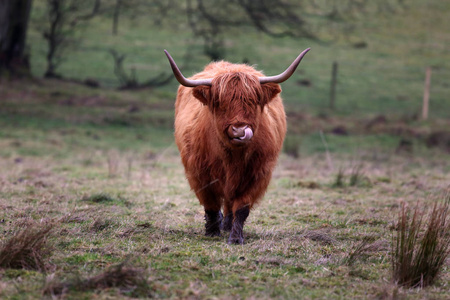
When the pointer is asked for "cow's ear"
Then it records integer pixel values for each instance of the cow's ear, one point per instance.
(203, 93)
(270, 90)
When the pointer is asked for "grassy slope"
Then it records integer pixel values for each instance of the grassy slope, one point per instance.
(386, 77)
(60, 143)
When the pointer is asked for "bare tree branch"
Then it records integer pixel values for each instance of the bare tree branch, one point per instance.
(62, 17)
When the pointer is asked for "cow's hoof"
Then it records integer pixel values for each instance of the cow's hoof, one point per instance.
(233, 240)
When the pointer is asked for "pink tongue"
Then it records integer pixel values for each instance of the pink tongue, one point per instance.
(248, 134)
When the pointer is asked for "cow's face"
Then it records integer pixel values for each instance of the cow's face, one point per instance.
(236, 101)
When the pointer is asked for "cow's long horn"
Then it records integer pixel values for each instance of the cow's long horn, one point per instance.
(183, 80)
(286, 74)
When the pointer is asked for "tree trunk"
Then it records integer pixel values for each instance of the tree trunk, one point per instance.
(116, 15)
(55, 38)
(14, 15)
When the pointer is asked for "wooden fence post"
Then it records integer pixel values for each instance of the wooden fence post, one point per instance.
(426, 94)
(333, 85)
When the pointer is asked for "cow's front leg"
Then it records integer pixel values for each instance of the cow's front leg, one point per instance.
(237, 229)
(213, 222)
(228, 217)
(213, 216)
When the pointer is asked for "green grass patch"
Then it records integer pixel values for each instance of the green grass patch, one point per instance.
(102, 198)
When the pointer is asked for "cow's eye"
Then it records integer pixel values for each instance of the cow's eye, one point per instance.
(217, 107)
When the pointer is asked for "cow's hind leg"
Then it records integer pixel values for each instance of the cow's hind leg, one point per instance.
(237, 229)
(228, 217)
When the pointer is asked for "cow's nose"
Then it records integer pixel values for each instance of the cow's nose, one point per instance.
(238, 131)
(243, 133)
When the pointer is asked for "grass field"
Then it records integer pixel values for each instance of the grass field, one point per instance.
(96, 173)
(111, 186)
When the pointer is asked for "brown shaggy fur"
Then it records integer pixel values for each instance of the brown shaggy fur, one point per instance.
(220, 172)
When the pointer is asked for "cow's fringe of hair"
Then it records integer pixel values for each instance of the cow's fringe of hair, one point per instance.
(245, 88)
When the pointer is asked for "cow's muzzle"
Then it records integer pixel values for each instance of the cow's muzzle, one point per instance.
(240, 135)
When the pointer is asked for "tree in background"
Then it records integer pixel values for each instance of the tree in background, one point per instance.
(156, 10)
(61, 19)
(209, 20)
(273, 17)
(14, 15)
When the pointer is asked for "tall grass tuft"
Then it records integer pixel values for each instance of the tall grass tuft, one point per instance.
(357, 175)
(358, 251)
(339, 180)
(27, 249)
(420, 247)
(364, 249)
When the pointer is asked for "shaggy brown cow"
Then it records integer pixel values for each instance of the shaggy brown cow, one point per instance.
(229, 127)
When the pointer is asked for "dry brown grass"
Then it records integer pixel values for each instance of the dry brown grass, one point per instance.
(364, 249)
(421, 248)
(28, 248)
(320, 236)
(129, 280)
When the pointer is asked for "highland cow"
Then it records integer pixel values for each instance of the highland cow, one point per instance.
(229, 128)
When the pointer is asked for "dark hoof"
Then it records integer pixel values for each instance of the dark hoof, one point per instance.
(227, 222)
(237, 234)
(235, 240)
(213, 221)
